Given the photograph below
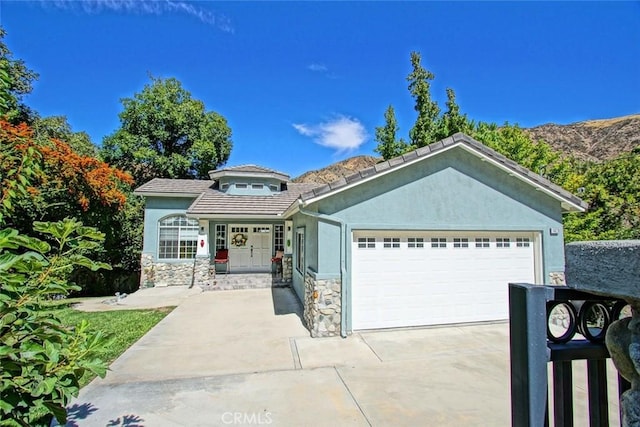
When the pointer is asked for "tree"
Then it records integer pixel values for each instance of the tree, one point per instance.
(63, 183)
(388, 144)
(166, 133)
(15, 82)
(452, 121)
(41, 361)
(611, 189)
(57, 127)
(424, 130)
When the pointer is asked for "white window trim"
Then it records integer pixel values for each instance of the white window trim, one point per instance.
(180, 227)
(300, 251)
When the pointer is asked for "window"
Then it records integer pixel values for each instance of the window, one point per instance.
(224, 187)
(257, 186)
(178, 237)
(221, 236)
(482, 242)
(438, 242)
(415, 242)
(278, 237)
(262, 229)
(274, 187)
(366, 242)
(391, 242)
(242, 186)
(523, 242)
(503, 242)
(300, 250)
(460, 242)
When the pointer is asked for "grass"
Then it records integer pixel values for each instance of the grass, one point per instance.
(125, 326)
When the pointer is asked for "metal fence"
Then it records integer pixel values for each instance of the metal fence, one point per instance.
(557, 324)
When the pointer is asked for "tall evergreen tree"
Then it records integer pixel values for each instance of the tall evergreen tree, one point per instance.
(389, 145)
(424, 130)
(452, 121)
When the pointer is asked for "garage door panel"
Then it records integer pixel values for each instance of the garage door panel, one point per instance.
(412, 286)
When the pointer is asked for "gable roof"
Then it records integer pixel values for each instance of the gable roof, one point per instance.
(214, 203)
(173, 187)
(570, 202)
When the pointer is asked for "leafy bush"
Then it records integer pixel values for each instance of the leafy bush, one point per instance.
(41, 360)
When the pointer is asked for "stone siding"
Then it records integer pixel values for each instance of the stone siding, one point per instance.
(322, 306)
(287, 268)
(190, 272)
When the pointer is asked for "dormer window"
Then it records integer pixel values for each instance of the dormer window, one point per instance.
(241, 186)
(257, 186)
(224, 187)
(274, 187)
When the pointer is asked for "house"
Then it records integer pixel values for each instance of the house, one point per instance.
(431, 237)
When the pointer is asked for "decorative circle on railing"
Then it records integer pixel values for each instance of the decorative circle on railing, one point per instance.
(561, 321)
(590, 319)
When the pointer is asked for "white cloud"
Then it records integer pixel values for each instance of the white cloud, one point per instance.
(319, 68)
(145, 7)
(341, 133)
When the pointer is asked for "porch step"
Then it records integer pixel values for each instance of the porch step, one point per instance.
(245, 281)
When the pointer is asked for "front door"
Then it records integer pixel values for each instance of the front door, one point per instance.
(250, 248)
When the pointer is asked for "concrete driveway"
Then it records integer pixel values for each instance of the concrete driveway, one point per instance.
(244, 358)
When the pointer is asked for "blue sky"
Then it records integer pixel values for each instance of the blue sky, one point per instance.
(304, 84)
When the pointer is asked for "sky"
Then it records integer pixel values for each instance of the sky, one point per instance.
(304, 84)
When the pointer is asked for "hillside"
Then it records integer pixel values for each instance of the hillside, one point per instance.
(592, 139)
(338, 170)
(588, 140)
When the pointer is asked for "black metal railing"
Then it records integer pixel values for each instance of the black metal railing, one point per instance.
(543, 323)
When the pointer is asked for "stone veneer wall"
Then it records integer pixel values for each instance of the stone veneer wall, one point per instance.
(172, 274)
(322, 305)
(287, 268)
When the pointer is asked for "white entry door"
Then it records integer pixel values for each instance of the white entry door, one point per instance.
(250, 248)
(416, 278)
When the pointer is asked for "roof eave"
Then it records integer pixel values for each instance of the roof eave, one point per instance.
(232, 216)
(458, 140)
(166, 194)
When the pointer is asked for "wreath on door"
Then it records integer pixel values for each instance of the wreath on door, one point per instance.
(239, 240)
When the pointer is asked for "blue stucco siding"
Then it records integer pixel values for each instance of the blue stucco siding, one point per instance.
(155, 209)
(454, 190)
(310, 226)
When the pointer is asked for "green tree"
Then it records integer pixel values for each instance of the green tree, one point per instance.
(389, 146)
(41, 361)
(15, 82)
(57, 127)
(424, 130)
(612, 190)
(452, 121)
(166, 133)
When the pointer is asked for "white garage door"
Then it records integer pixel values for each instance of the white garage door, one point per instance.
(429, 278)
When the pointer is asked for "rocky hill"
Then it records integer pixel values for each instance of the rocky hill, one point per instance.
(592, 139)
(337, 170)
(588, 140)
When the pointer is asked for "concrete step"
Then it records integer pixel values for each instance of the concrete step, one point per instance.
(246, 281)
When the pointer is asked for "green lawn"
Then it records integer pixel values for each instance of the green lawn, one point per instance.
(125, 326)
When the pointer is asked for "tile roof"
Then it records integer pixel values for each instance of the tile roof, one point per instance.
(174, 186)
(215, 202)
(456, 139)
(249, 168)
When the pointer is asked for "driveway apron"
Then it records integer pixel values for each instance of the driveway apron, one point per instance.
(244, 358)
